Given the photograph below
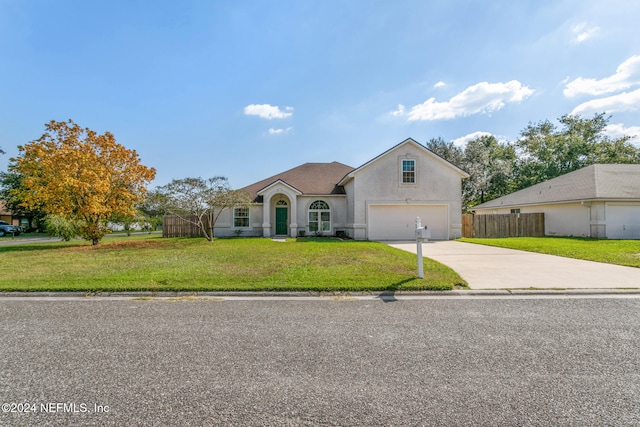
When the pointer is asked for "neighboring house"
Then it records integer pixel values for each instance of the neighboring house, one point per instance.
(380, 200)
(5, 214)
(600, 201)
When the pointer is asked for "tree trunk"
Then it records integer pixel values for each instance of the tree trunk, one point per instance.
(95, 241)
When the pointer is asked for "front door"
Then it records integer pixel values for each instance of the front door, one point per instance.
(281, 220)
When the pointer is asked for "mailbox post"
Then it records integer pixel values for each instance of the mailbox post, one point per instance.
(422, 233)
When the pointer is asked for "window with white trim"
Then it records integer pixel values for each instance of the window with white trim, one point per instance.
(408, 171)
(319, 217)
(241, 217)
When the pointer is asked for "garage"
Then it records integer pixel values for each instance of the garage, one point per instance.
(398, 222)
(623, 221)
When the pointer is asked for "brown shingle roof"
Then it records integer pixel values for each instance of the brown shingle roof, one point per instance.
(615, 181)
(309, 178)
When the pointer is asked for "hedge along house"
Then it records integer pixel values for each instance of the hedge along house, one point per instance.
(379, 200)
(600, 201)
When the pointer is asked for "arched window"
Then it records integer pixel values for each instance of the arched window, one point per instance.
(319, 217)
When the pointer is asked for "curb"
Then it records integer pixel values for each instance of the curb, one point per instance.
(167, 294)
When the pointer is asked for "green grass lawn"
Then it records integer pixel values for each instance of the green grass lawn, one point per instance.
(621, 252)
(151, 263)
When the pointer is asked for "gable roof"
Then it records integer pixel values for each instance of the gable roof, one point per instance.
(612, 182)
(412, 141)
(309, 178)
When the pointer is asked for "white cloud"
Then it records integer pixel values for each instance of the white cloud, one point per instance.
(618, 130)
(582, 33)
(440, 84)
(627, 75)
(399, 112)
(626, 101)
(273, 131)
(267, 111)
(462, 141)
(482, 97)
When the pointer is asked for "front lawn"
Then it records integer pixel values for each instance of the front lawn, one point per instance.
(151, 263)
(621, 252)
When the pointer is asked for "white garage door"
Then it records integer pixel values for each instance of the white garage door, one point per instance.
(623, 221)
(398, 222)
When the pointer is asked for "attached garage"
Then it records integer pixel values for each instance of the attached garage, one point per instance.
(623, 221)
(398, 222)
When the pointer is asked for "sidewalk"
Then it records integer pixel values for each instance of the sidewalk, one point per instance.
(487, 267)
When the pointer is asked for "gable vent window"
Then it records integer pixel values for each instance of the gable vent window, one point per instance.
(319, 217)
(408, 171)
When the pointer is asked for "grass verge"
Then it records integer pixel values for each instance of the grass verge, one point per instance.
(620, 252)
(151, 263)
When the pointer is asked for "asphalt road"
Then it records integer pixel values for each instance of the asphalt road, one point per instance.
(440, 361)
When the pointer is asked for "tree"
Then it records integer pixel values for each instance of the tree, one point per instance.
(446, 150)
(10, 183)
(199, 201)
(546, 151)
(490, 165)
(80, 176)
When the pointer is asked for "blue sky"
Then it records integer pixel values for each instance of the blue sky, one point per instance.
(247, 89)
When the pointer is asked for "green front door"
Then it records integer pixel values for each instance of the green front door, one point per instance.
(281, 221)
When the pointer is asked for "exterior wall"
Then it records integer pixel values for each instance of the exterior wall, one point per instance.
(224, 225)
(598, 223)
(381, 183)
(337, 205)
(356, 225)
(565, 219)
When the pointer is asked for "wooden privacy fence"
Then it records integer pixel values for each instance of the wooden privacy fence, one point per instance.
(503, 225)
(175, 226)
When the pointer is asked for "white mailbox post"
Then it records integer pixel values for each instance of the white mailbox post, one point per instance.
(422, 234)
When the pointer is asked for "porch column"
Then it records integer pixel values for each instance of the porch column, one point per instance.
(293, 215)
(266, 217)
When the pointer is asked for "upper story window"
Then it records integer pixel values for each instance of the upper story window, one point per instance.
(241, 217)
(408, 171)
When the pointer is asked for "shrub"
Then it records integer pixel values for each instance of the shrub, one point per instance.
(60, 227)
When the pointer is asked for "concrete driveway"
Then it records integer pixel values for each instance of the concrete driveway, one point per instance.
(486, 267)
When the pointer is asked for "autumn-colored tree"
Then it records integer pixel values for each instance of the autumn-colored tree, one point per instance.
(80, 176)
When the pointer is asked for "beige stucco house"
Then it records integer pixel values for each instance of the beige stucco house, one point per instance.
(379, 200)
(601, 201)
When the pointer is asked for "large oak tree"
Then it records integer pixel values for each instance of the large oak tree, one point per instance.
(81, 176)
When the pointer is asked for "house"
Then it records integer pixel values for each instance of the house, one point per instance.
(9, 217)
(601, 201)
(379, 200)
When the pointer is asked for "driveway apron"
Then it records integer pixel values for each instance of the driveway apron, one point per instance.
(487, 267)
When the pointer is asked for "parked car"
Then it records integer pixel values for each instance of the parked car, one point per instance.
(6, 228)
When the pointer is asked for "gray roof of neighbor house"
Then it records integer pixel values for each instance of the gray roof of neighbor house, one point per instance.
(611, 182)
(309, 178)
